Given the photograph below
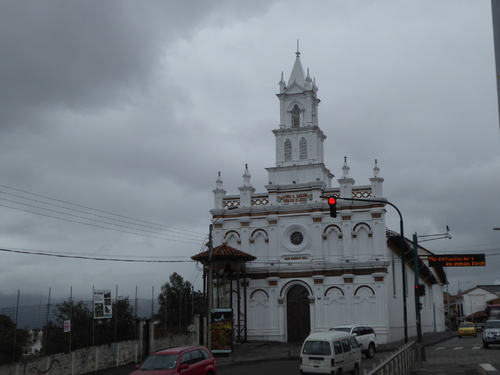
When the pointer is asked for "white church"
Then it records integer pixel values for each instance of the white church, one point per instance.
(313, 271)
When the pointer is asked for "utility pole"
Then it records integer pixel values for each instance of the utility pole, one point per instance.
(420, 288)
(210, 277)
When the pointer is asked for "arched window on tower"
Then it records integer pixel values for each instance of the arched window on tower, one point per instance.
(303, 149)
(288, 150)
(296, 116)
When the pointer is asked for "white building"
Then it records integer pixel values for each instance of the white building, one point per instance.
(471, 303)
(314, 271)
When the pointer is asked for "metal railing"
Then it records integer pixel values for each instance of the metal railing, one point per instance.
(398, 363)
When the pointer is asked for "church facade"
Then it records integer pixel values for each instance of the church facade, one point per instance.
(313, 271)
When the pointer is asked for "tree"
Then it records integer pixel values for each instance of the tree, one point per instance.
(120, 327)
(11, 351)
(178, 303)
(57, 341)
(87, 331)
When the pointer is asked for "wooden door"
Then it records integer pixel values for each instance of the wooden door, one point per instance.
(298, 314)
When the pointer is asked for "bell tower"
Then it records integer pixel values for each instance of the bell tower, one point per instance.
(299, 140)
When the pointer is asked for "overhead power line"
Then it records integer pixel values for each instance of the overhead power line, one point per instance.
(93, 257)
(152, 230)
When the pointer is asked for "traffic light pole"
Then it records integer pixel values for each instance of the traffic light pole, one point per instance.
(420, 347)
(420, 344)
(402, 250)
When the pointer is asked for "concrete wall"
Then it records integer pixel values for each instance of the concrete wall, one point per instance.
(78, 362)
(96, 358)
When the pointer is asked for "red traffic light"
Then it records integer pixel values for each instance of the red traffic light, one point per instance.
(332, 200)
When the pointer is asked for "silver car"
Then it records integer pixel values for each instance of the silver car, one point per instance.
(491, 333)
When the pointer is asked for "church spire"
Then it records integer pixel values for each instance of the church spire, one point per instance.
(297, 76)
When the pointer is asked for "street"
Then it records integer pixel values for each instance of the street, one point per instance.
(285, 367)
(464, 354)
(454, 355)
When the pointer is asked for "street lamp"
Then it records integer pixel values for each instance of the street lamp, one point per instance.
(402, 249)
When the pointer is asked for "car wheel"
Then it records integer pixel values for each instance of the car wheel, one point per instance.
(371, 351)
(459, 337)
(356, 370)
(339, 372)
(486, 345)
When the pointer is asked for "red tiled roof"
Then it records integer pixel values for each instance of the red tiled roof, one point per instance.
(224, 252)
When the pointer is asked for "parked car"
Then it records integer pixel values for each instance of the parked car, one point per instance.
(330, 352)
(185, 360)
(491, 333)
(365, 335)
(480, 327)
(467, 329)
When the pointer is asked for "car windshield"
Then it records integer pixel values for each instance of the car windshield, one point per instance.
(341, 329)
(467, 325)
(492, 324)
(160, 362)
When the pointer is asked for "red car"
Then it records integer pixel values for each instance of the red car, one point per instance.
(188, 360)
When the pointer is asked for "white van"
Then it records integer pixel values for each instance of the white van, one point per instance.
(330, 352)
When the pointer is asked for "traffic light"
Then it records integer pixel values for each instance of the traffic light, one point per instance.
(332, 202)
(420, 290)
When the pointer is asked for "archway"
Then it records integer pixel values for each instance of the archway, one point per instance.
(298, 314)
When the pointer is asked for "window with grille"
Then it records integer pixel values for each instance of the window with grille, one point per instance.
(303, 149)
(288, 150)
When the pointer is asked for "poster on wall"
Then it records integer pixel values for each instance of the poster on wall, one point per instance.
(222, 330)
(102, 304)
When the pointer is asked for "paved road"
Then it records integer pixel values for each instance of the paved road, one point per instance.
(461, 356)
(453, 356)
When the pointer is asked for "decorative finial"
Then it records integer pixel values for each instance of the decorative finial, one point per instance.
(376, 169)
(218, 182)
(345, 168)
(298, 51)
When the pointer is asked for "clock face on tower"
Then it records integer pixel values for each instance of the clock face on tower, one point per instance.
(296, 238)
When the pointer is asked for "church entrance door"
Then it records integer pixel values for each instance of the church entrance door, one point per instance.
(298, 314)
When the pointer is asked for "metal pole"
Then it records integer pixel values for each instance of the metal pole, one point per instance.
(15, 326)
(210, 286)
(402, 250)
(417, 298)
(420, 346)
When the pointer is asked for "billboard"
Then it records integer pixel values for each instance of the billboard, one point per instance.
(102, 304)
(222, 330)
(457, 260)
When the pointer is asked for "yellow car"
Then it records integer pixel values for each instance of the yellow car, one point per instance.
(467, 329)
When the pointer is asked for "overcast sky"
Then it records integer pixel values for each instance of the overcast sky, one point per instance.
(116, 116)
